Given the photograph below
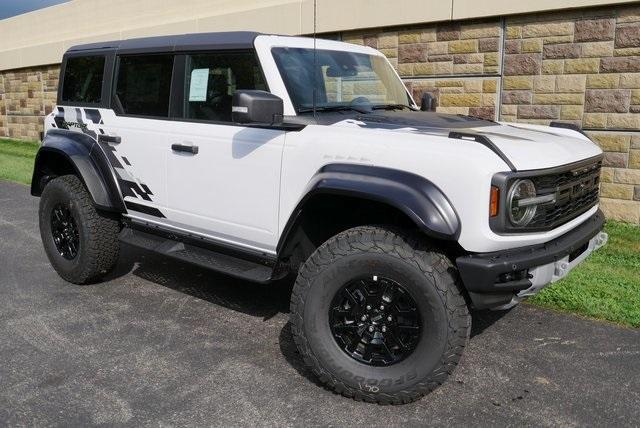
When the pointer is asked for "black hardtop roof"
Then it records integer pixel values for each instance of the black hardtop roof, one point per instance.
(174, 43)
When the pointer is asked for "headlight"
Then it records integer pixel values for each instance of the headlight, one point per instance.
(520, 211)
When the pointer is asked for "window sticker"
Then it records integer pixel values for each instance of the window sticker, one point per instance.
(199, 82)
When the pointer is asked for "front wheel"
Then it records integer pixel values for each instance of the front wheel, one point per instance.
(81, 243)
(379, 316)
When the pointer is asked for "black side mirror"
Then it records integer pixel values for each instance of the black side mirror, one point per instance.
(427, 102)
(251, 106)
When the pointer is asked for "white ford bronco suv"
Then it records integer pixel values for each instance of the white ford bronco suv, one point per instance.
(266, 157)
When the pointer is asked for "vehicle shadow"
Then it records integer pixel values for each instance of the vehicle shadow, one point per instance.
(263, 301)
(289, 351)
(482, 320)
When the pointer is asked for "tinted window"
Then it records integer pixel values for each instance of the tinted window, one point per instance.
(211, 80)
(83, 79)
(144, 84)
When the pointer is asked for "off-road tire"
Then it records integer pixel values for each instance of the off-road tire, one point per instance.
(425, 272)
(98, 234)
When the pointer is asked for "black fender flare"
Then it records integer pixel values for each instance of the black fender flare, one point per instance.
(420, 199)
(88, 160)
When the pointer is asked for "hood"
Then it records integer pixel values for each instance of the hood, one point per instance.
(525, 146)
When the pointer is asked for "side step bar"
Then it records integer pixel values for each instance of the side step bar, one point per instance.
(224, 263)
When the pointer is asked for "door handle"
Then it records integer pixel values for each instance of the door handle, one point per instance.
(109, 139)
(187, 148)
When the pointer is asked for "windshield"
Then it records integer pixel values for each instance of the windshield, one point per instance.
(343, 79)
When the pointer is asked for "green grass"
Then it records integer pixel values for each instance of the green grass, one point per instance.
(16, 160)
(606, 285)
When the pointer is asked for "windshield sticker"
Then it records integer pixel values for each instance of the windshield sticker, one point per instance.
(199, 82)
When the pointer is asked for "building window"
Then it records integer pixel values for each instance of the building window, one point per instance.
(212, 79)
(144, 84)
(83, 79)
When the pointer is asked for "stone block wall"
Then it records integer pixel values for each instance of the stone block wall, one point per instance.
(582, 69)
(580, 66)
(26, 95)
(446, 49)
(427, 56)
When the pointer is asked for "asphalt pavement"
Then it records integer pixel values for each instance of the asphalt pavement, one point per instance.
(165, 343)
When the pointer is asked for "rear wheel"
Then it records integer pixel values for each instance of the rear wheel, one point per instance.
(379, 316)
(81, 243)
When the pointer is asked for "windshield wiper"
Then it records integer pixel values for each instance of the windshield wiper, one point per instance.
(392, 107)
(358, 108)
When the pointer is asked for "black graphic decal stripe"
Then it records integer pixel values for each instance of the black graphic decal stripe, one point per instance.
(59, 119)
(111, 155)
(127, 187)
(93, 115)
(136, 188)
(83, 126)
(143, 209)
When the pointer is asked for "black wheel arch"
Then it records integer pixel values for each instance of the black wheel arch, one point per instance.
(67, 152)
(417, 198)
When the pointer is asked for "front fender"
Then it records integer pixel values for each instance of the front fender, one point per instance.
(64, 149)
(418, 198)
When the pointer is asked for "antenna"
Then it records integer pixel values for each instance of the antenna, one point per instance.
(315, 57)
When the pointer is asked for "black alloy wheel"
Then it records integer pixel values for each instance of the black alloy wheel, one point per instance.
(375, 321)
(81, 243)
(65, 232)
(378, 314)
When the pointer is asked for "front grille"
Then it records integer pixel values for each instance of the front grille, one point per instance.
(575, 190)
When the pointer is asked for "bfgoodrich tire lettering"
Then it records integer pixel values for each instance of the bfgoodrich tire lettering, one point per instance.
(424, 272)
(98, 244)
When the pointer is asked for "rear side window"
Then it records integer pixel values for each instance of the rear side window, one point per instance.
(144, 84)
(83, 79)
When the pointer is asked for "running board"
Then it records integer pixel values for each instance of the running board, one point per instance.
(224, 263)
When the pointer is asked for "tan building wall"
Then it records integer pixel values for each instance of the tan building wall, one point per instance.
(581, 66)
(26, 95)
(40, 37)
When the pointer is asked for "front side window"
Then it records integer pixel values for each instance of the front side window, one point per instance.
(144, 84)
(211, 80)
(341, 79)
(83, 79)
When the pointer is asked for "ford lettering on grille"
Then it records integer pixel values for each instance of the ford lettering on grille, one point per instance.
(575, 191)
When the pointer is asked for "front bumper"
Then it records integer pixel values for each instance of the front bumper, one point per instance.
(503, 278)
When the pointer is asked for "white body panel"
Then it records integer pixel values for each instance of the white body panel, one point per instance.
(461, 169)
(228, 192)
(230, 189)
(244, 184)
